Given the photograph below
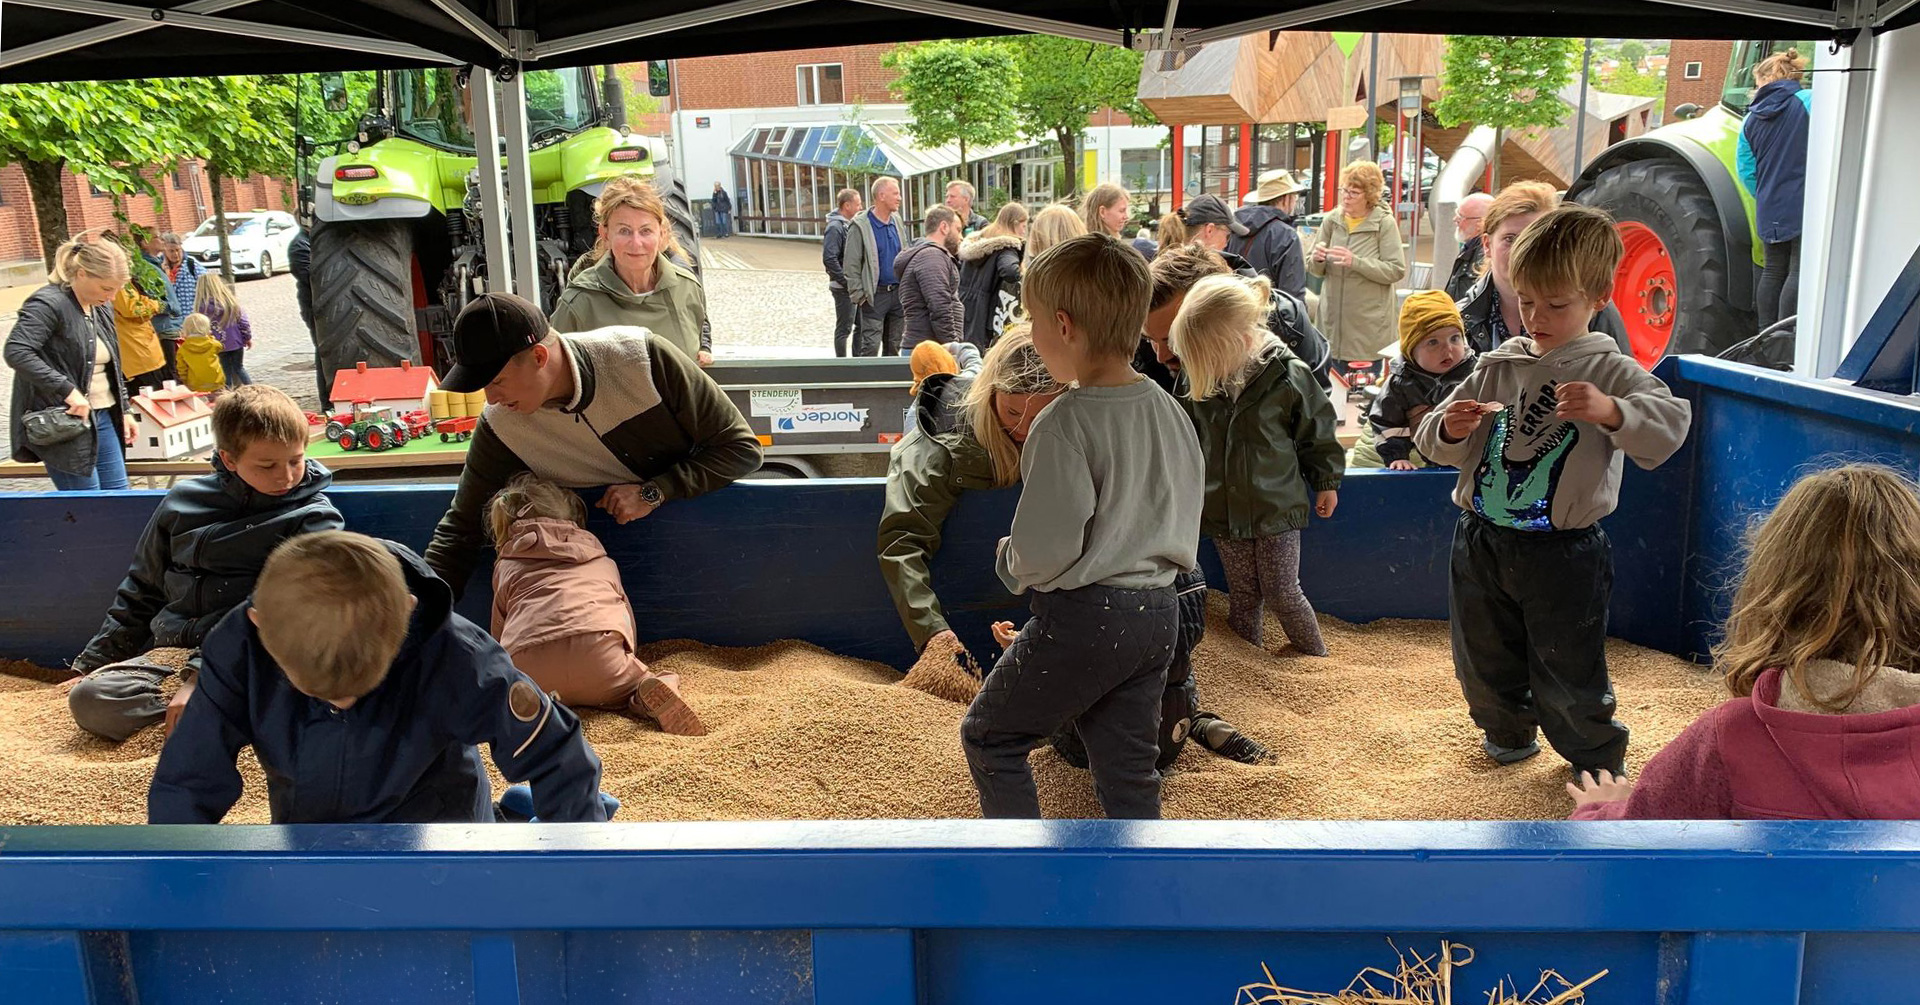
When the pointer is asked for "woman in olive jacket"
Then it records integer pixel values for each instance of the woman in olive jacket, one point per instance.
(630, 277)
(1359, 254)
(65, 354)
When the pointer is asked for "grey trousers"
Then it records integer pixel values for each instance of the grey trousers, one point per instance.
(882, 322)
(119, 700)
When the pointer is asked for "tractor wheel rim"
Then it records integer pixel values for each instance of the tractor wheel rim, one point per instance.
(1647, 291)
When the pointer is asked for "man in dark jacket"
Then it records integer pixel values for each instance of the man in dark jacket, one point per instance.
(199, 556)
(833, 250)
(929, 274)
(960, 196)
(618, 407)
(300, 263)
(1469, 225)
(392, 741)
(1272, 243)
(722, 212)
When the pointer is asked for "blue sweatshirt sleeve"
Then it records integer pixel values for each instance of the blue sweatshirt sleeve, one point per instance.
(1743, 161)
(196, 781)
(533, 738)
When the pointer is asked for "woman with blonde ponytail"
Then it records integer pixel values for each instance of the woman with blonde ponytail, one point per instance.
(1268, 433)
(65, 356)
(633, 276)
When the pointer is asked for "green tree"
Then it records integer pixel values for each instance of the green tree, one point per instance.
(1627, 80)
(958, 92)
(1062, 81)
(1505, 81)
(241, 126)
(1632, 53)
(109, 131)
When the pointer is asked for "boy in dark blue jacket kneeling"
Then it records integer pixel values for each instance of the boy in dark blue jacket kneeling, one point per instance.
(364, 697)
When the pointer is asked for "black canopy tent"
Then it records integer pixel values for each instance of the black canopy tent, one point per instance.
(98, 39)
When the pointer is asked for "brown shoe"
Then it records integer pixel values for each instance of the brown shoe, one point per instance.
(665, 706)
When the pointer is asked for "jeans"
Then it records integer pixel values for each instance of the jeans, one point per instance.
(109, 472)
(1779, 295)
(233, 362)
(882, 322)
(846, 319)
(723, 224)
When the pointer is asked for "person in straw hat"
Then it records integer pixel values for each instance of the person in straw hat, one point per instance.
(1272, 243)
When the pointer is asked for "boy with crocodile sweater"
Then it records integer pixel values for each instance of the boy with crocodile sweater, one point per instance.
(199, 556)
(1538, 432)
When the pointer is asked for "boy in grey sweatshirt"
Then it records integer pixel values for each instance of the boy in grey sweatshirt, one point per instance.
(1538, 432)
(1109, 513)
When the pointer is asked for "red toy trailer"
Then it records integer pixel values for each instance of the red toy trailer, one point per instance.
(458, 429)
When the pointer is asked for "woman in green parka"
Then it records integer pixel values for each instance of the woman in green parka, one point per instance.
(631, 278)
(1267, 430)
(947, 452)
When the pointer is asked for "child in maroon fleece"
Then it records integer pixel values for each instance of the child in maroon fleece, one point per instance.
(1824, 628)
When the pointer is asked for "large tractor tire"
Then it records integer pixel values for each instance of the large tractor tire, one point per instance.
(363, 294)
(680, 216)
(1672, 285)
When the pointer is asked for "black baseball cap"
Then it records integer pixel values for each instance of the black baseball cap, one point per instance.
(492, 329)
(1205, 209)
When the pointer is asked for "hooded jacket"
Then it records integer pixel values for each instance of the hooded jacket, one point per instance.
(1272, 245)
(184, 283)
(927, 471)
(553, 580)
(1772, 158)
(233, 332)
(929, 294)
(1774, 756)
(133, 314)
(1359, 310)
(989, 285)
(1266, 447)
(50, 351)
(1481, 306)
(641, 411)
(199, 557)
(596, 297)
(405, 752)
(1409, 388)
(1526, 470)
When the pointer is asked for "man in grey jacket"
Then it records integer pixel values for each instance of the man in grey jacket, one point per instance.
(930, 283)
(873, 241)
(833, 252)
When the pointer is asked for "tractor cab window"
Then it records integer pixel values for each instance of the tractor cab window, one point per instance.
(560, 103)
(432, 108)
(1747, 54)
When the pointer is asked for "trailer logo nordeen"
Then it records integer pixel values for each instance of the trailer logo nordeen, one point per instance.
(822, 419)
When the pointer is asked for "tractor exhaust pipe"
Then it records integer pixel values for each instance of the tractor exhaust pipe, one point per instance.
(614, 96)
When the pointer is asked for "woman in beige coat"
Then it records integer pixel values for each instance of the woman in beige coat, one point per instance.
(1358, 252)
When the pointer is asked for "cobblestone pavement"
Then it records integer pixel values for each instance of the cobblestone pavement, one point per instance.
(754, 312)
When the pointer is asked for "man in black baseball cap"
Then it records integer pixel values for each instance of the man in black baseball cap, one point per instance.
(618, 407)
(1210, 222)
(490, 331)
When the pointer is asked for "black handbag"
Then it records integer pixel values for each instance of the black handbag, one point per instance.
(47, 427)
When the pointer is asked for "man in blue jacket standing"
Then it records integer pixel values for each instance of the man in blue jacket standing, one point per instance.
(833, 250)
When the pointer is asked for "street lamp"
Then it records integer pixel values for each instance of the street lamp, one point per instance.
(1412, 89)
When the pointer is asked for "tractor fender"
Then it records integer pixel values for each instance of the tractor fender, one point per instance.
(1721, 184)
(327, 209)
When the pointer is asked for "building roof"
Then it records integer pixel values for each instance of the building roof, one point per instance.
(172, 405)
(383, 383)
(1603, 105)
(879, 147)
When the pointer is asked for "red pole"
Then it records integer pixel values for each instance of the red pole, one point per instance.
(1179, 167)
(1246, 159)
(1329, 193)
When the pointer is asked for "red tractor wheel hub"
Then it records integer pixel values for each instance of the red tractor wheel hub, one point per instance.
(1646, 292)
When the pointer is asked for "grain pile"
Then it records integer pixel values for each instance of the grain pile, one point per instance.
(1378, 731)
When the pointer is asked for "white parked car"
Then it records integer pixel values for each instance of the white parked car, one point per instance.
(258, 242)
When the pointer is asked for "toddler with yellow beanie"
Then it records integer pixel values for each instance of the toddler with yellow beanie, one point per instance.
(1434, 359)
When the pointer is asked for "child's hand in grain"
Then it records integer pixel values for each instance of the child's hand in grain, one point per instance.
(1324, 503)
(1004, 633)
(1608, 788)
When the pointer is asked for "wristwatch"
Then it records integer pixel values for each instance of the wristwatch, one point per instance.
(651, 495)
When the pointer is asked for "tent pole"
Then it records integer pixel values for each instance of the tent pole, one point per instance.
(179, 19)
(486, 143)
(1836, 176)
(519, 184)
(106, 33)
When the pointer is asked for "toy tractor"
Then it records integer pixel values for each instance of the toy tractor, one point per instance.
(373, 428)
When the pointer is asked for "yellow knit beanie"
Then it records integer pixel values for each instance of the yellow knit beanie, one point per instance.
(929, 358)
(1424, 313)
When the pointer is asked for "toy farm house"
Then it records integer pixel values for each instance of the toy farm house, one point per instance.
(170, 422)
(403, 388)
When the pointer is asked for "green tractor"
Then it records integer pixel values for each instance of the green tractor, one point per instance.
(1692, 264)
(398, 247)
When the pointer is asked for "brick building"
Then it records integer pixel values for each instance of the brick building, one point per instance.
(1696, 73)
(186, 199)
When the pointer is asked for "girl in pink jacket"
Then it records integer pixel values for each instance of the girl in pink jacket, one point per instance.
(1819, 649)
(559, 609)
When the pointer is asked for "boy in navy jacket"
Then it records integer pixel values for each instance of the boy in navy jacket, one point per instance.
(364, 697)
